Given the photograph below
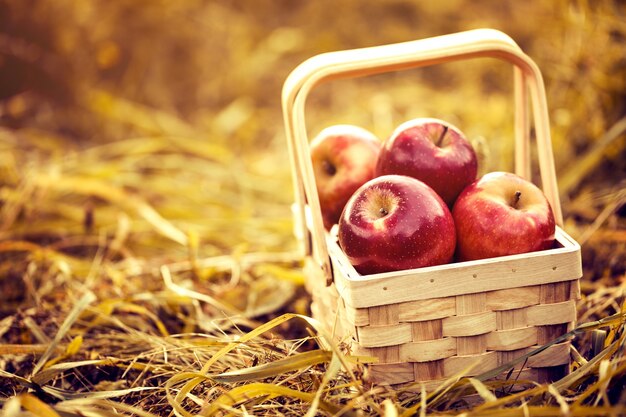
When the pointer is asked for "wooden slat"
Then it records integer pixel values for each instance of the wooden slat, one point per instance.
(546, 334)
(315, 280)
(358, 350)
(358, 316)
(386, 335)
(430, 331)
(551, 374)
(511, 339)
(506, 356)
(511, 319)
(316, 312)
(550, 294)
(329, 302)
(387, 354)
(471, 303)
(429, 386)
(428, 350)
(470, 365)
(554, 355)
(509, 322)
(554, 292)
(390, 373)
(529, 269)
(519, 380)
(428, 371)
(378, 336)
(384, 315)
(465, 305)
(470, 324)
(547, 314)
(512, 298)
(426, 330)
(421, 310)
(342, 327)
(574, 293)
(471, 345)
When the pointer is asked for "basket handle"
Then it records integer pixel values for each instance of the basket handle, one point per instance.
(394, 57)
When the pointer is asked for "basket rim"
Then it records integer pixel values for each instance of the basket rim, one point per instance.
(534, 268)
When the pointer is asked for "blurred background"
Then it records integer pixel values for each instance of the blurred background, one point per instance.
(165, 116)
(144, 175)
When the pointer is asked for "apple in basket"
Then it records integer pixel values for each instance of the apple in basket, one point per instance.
(432, 151)
(395, 222)
(344, 158)
(502, 214)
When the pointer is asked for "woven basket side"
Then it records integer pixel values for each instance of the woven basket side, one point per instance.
(550, 294)
(478, 331)
(435, 339)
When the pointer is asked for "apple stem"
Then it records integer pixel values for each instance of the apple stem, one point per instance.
(329, 167)
(443, 135)
(518, 195)
(383, 212)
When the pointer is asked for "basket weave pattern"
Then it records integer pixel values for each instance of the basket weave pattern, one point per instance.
(435, 339)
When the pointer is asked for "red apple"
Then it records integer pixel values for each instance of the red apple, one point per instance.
(344, 158)
(395, 222)
(432, 151)
(502, 214)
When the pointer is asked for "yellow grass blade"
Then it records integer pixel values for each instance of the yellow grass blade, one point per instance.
(39, 252)
(390, 410)
(193, 379)
(115, 195)
(80, 306)
(583, 371)
(565, 409)
(599, 384)
(551, 411)
(329, 375)
(185, 292)
(36, 406)
(280, 367)
(277, 271)
(249, 391)
(71, 350)
(20, 380)
(482, 390)
(586, 327)
(98, 406)
(52, 371)
(12, 349)
(513, 398)
(94, 395)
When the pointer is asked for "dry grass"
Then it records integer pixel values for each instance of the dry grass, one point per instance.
(147, 263)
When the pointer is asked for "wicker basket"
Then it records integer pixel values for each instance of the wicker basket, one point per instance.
(429, 324)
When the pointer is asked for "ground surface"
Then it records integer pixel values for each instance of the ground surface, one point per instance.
(145, 196)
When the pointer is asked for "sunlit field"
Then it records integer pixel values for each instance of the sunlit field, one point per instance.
(148, 263)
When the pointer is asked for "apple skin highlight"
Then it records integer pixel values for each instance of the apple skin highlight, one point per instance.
(433, 151)
(395, 222)
(492, 221)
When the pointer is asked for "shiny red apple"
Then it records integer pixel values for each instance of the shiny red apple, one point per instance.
(344, 158)
(432, 151)
(502, 214)
(395, 222)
